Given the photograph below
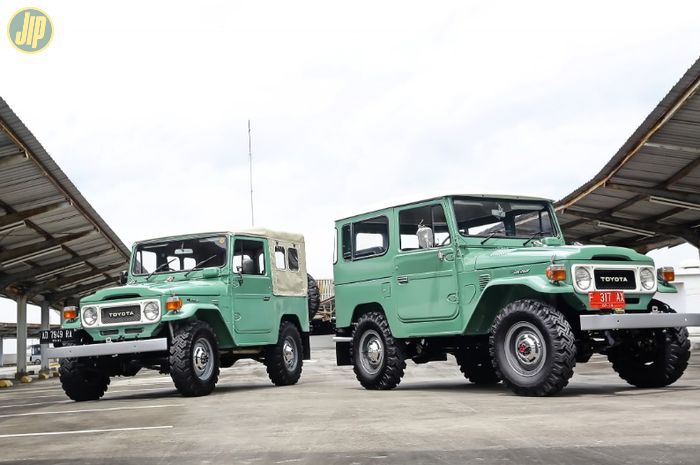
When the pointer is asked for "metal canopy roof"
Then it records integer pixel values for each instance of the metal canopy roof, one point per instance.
(53, 245)
(648, 195)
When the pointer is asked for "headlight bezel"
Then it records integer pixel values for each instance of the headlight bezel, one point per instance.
(651, 278)
(89, 310)
(148, 306)
(578, 280)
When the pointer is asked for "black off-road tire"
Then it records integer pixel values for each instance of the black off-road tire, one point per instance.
(284, 367)
(314, 298)
(385, 372)
(192, 374)
(474, 360)
(652, 358)
(520, 324)
(82, 379)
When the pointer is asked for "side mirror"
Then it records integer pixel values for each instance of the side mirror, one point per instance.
(211, 272)
(426, 239)
(123, 277)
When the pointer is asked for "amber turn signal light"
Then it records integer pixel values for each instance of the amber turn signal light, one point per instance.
(556, 273)
(70, 313)
(173, 304)
(667, 274)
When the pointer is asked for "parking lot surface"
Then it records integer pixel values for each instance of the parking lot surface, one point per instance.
(435, 416)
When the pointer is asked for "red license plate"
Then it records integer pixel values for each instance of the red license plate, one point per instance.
(606, 299)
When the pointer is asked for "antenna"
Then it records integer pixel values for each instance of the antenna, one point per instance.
(250, 158)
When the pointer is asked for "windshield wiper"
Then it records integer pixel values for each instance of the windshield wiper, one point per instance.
(200, 264)
(538, 233)
(159, 268)
(491, 235)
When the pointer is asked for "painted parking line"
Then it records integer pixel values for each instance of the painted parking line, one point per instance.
(120, 391)
(141, 389)
(109, 409)
(36, 403)
(83, 431)
(19, 389)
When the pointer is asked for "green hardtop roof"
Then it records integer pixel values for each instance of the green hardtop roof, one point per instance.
(439, 197)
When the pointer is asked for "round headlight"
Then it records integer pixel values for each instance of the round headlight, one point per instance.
(647, 278)
(151, 311)
(583, 278)
(90, 315)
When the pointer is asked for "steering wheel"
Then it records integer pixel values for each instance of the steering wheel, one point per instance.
(444, 241)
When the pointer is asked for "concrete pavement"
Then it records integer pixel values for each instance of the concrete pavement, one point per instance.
(435, 416)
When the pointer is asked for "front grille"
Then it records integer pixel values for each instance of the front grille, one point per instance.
(123, 314)
(614, 279)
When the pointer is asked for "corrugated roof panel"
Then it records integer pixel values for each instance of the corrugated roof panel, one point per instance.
(658, 158)
(34, 180)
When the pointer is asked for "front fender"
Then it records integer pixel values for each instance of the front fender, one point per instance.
(666, 288)
(208, 313)
(539, 284)
(501, 291)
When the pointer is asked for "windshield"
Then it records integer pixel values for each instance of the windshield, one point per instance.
(503, 218)
(179, 255)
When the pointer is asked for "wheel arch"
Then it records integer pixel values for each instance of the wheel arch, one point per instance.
(495, 297)
(305, 339)
(213, 318)
(361, 309)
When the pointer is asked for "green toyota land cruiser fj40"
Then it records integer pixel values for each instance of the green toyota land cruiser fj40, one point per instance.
(190, 305)
(491, 281)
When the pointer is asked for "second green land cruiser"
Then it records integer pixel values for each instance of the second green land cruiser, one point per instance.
(491, 281)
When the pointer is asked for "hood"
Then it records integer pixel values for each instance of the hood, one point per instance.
(531, 255)
(157, 290)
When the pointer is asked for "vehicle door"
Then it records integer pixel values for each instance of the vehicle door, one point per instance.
(252, 287)
(425, 277)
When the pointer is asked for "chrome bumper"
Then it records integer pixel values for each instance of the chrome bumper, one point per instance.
(109, 348)
(638, 321)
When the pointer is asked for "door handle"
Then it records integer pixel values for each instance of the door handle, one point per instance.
(402, 279)
(266, 298)
(442, 256)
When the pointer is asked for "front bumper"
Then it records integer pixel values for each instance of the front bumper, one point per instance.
(110, 348)
(638, 321)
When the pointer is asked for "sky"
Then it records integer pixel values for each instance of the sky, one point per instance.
(353, 105)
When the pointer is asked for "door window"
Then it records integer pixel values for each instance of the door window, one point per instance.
(249, 257)
(413, 223)
(366, 239)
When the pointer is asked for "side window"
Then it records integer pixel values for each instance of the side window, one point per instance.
(249, 257)
(368, 238)
(280, 262)
(293, 259)
(347, 243)
(428, 222)
(335, 246)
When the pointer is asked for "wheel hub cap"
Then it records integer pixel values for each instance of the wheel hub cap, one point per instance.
(525, 349)
(202, 359)
(371, 351)
(289, 354)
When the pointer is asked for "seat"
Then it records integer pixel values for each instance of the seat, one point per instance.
(247, 266)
